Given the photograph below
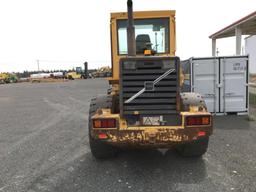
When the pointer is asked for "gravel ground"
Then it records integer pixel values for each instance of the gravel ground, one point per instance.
(44, 147)
(252, 108)
(252, 89)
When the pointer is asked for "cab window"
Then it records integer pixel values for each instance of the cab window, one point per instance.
(150, 34)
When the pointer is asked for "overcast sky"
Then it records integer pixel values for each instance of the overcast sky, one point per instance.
(65, 33)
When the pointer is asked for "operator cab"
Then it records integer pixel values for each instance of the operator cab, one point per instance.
(153, 30)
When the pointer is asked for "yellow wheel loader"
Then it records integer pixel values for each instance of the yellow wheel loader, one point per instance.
(145, 107)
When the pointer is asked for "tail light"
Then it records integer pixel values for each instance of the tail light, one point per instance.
(104, 123)
(102, 136)
(198, 120)
(201, 133)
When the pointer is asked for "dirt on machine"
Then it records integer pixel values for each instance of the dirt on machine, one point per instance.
(145, 107)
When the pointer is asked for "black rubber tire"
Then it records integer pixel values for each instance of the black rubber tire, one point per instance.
(194, 149)
(194, 103)
(99, 149)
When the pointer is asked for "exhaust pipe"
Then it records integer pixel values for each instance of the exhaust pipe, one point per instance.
(86, 69)
(131, 30)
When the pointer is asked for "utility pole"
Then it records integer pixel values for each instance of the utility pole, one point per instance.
(37, 65)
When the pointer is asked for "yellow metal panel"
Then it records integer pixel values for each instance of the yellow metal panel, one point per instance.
(106, 113)
(149, 134)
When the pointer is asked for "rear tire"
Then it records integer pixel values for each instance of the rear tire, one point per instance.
(194, 149)
(99, 149)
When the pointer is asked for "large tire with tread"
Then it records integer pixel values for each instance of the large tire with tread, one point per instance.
(194, 149)
(194, 99)
(99, 149)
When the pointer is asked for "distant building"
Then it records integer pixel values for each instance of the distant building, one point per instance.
(244, 26)
(250, 49)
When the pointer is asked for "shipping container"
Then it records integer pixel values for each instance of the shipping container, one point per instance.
(222, 81)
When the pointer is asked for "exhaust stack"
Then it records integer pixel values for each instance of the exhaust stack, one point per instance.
(131, 30)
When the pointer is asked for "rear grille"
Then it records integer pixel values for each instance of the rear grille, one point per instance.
(162, 100)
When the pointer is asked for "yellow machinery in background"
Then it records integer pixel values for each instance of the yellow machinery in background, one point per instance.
(145, 106)
(3, 77)
(102, 72)
(73, 75)
(8, 78)
(79, 73)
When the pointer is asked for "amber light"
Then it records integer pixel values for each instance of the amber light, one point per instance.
(147, 52)
(205, 120)
(198, 120)
(104, 123)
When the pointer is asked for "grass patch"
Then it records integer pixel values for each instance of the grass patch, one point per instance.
(252, 99)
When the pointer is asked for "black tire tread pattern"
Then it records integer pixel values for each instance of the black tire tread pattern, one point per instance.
(194, 149)
(99, 149)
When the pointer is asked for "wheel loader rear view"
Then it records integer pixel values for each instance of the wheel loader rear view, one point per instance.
(145, 107)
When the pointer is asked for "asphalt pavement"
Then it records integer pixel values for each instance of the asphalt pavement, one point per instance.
(44, 147)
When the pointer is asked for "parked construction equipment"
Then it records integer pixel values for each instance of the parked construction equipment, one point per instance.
(102, 72)
(79, 73)
(8, 78)
(145, 107)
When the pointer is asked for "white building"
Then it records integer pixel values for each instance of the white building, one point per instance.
(245, 26)
(250, 49)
